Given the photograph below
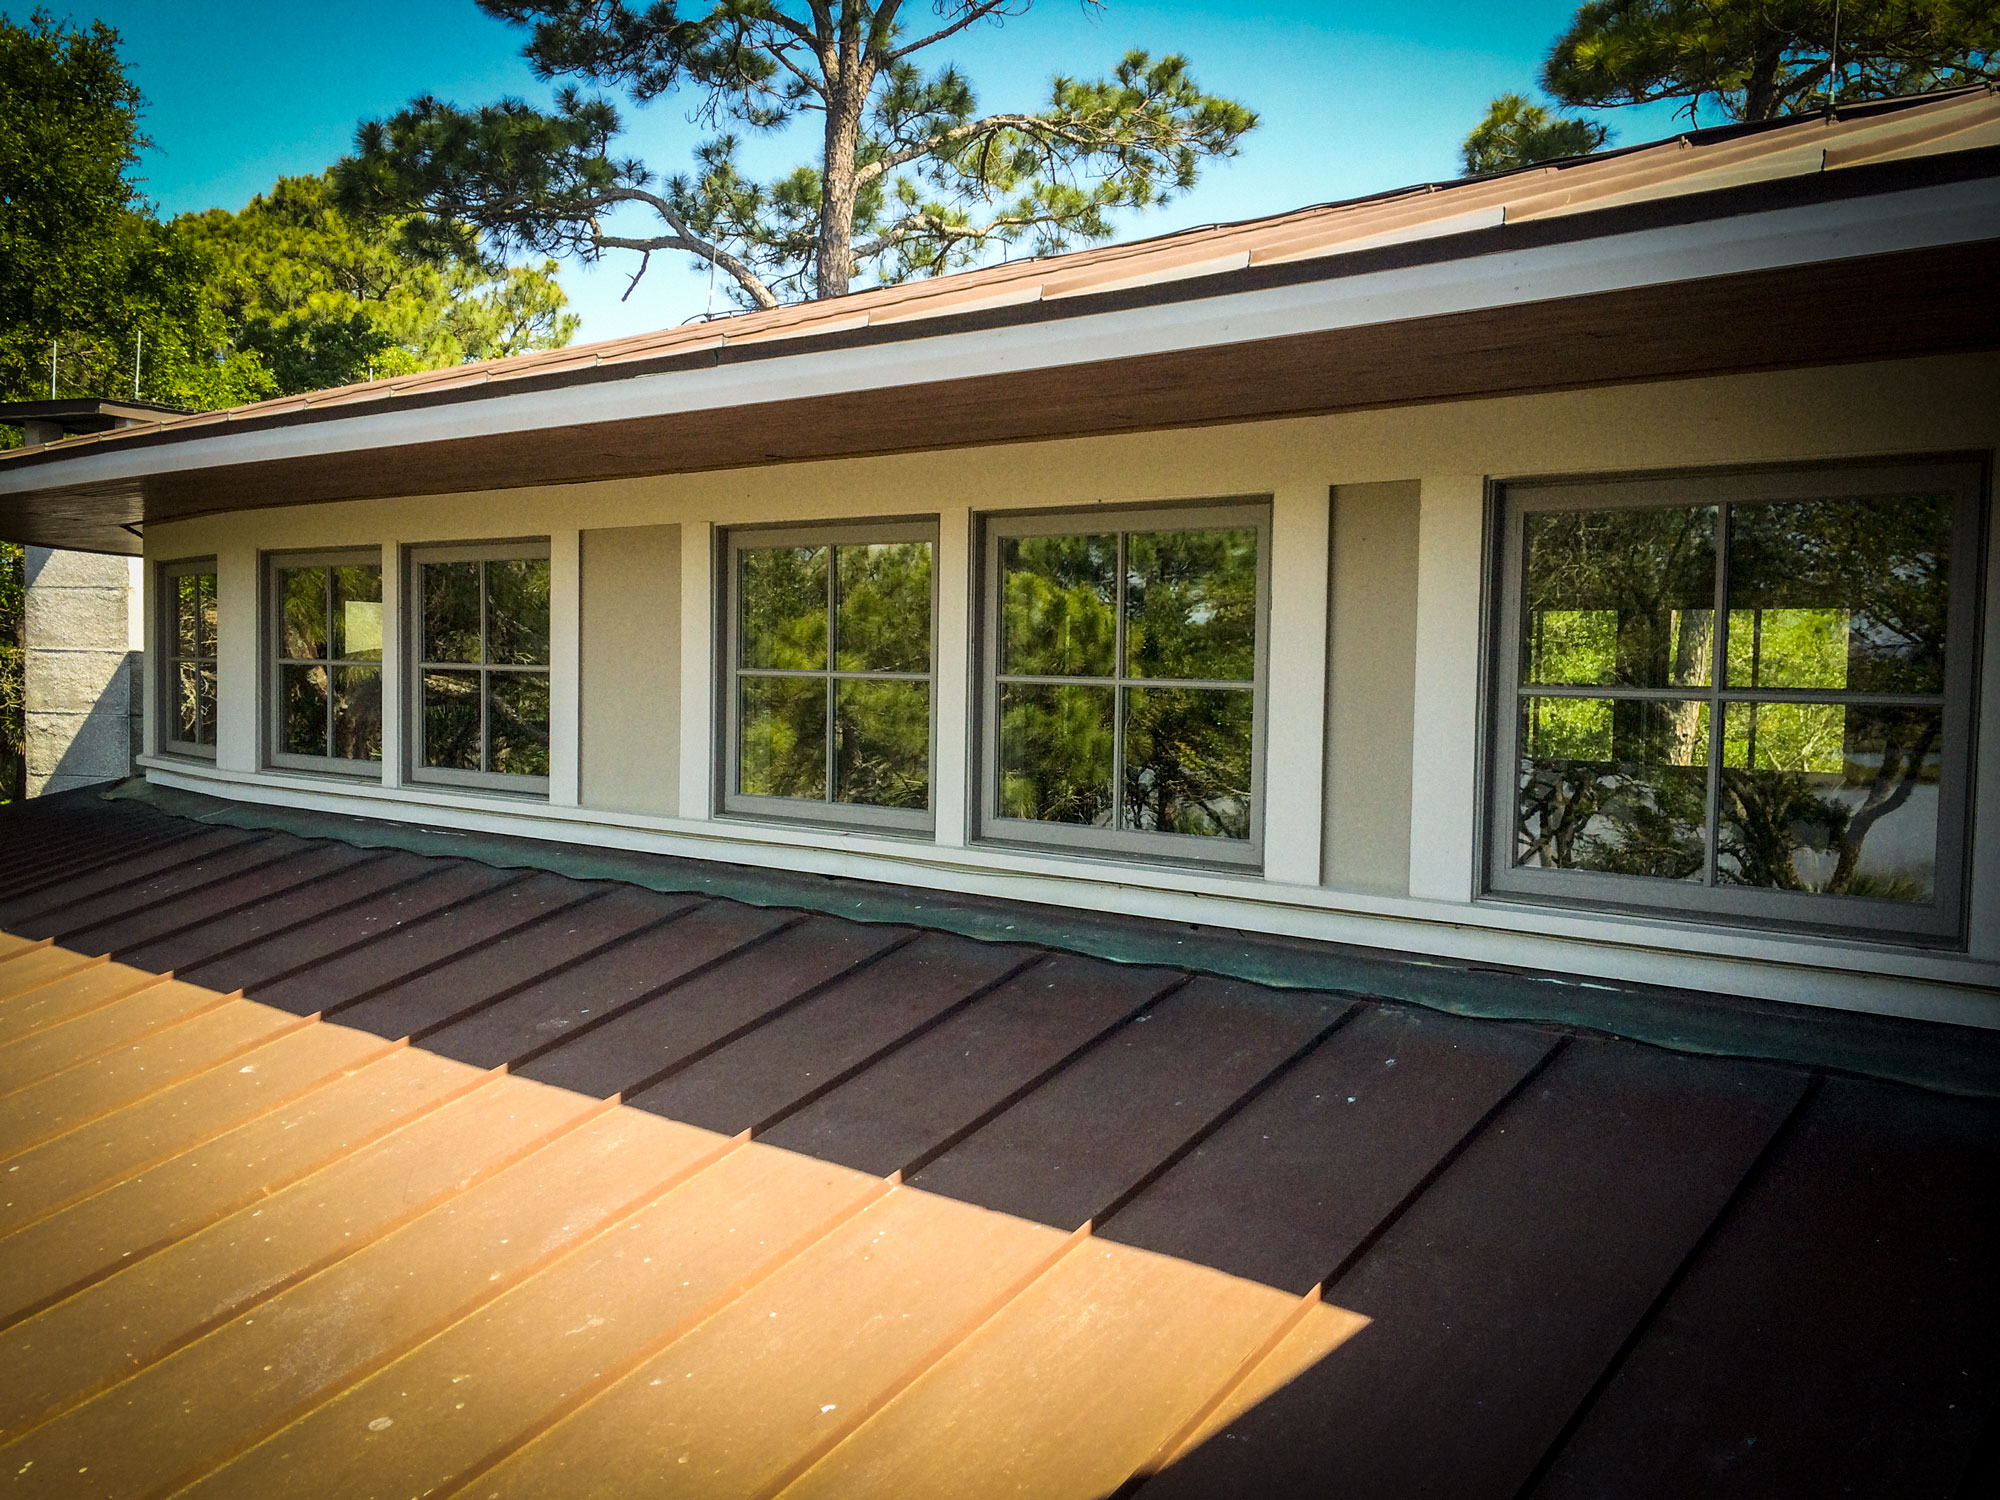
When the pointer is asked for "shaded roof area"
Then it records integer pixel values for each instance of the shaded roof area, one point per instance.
(1696, 161)
(425, 1175)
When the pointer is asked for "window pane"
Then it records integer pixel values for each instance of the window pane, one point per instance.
(186, 610)
(1059, 601)
(1191, 604)
(884, 608)
(302, 710)
(302, 595)
(1620, 597)
(357, 713)
(1055, 754)
(1613, 785)
(187, 703)
(205, 703)
(205, 618)
(517, 612)
(357, 613)
(1828, 797)
(517, 722)
(451, 720)
(784, 737)
(1840, 594)
(450, 593)
(784, 607)
(1187, 761)
(882, 743)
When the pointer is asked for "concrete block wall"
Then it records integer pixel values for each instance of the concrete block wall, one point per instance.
(83, 630)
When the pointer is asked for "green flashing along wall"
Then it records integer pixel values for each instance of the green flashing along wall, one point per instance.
(1948, 1059)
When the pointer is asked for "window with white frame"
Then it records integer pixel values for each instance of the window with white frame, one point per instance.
(828, 634)
(479, 679)
(325, 653)
(1743, 696)
(1123, 693)
(187, 658)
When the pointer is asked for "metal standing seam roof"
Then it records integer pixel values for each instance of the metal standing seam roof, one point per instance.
(327, 1170)
(1696, 161)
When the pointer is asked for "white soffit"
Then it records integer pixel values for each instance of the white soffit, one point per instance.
(1914, 219)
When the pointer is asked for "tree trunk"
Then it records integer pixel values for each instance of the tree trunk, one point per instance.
(837, 192)
(1760, 93)
(850, 72)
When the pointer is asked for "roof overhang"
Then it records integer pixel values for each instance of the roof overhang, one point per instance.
(1878, 262)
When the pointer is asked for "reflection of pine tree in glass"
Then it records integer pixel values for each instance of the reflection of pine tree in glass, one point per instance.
(1841, 596)
(1059, 610)
(784, 607)
(1055, 754)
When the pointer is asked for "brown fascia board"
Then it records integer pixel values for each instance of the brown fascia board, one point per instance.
(1909, 303)
(1850, 183)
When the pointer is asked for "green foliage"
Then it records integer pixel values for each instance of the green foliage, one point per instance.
(323, 299)
(87, 275)
(1516, 133)
(911, 180)
(1760, 59)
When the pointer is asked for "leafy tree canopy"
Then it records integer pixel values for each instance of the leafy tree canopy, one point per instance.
(324, 299)
(910, 179)
(1516, 133)
(1760, 59)
(86, 272)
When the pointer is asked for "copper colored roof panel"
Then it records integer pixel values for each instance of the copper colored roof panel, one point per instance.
(911, 1215)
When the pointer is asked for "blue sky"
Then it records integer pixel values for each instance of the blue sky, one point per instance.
(1355, 98)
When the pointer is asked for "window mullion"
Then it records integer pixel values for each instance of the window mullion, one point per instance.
(1118, 696)
(1718, 665)
(329, 663)
(485, 681)
(832, 623)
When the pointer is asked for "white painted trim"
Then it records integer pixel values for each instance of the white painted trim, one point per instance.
(1444, 750)
(1933, 986)
(565, 664)
(698, 675)
(1295, 698)
(952, 677)
(239, 678)
(395, 665)
(1917, 218)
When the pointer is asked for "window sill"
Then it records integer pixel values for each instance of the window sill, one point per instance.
(1956, 987)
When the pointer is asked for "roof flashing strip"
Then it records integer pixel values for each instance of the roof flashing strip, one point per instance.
(1919, 218)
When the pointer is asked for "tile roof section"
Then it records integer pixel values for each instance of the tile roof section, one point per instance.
(901, 1213)
(1699, 161)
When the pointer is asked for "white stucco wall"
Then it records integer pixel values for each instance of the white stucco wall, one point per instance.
(1449, 452)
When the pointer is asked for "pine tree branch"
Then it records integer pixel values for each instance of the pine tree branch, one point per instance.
(1044, 131)
(682, 238)
(974, 14)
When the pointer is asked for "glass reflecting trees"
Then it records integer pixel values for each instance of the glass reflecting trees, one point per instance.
(328, 660)
(483, 665)
(1125, 677)
(832, 672)
(1748, 695)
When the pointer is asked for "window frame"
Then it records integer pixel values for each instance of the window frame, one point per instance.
(526, 549)
(274, 661)
(1942, 922)
(729, 710)
(1231, 513)
(164, 680)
